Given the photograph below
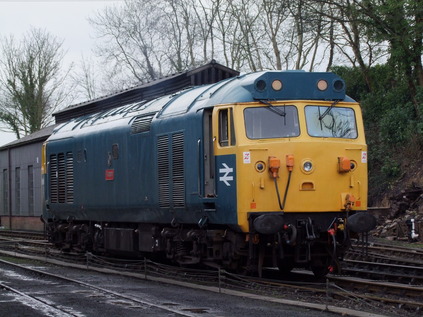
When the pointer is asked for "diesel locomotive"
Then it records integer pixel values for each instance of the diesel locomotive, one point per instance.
(263, 169)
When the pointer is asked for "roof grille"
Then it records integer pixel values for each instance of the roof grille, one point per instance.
(142, 123)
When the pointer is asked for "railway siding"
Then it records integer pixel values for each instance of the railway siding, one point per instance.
(335, 294)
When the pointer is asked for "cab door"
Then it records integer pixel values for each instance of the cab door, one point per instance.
(208, 155)
(219, 138)
(225, 153)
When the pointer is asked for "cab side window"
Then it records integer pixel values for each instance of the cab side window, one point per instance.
(226, 128)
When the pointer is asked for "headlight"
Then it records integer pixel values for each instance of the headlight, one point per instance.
(307, 166)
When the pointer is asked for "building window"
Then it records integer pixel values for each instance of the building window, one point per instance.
(30, 190)
(17, 190)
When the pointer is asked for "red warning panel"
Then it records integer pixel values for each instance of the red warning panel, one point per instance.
(110, 175)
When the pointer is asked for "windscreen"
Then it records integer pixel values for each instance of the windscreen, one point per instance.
(331, 122)
(271, 122)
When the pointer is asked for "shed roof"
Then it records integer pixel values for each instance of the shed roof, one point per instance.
(207, 74)
(39, 136)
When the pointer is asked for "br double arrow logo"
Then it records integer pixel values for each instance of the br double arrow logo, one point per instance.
(226, 177)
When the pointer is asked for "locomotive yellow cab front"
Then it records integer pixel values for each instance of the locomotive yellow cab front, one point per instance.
(301, 173)
(306, 164)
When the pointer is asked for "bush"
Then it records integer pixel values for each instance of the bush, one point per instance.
(393, 123)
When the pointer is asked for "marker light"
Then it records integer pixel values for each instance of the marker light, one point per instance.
(322, 85)
(260, 166)
(277, 85)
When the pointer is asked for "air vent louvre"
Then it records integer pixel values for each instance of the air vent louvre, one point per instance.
(54, 196)
(163, 170)
(141, 124)
(61, 178)
(69, 178)
(178, 170)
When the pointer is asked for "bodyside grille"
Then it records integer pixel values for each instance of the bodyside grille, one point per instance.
(69, 178)
(163, 171)
(61, 178)
(171, 170)
(178, 170)
(54, 178)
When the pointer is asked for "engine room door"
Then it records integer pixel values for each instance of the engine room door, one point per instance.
(209, 163)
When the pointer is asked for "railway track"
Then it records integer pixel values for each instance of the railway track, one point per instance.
(343, 291)
(409, 274)
(28, 235)
(381, 262)
(391, 252)
(81, 287)
(386, 262)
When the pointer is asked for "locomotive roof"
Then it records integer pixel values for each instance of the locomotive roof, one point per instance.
(266, 85)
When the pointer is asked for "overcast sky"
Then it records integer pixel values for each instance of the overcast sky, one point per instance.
(67, 20)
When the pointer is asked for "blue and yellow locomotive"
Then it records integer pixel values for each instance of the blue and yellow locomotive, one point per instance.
(264, 169)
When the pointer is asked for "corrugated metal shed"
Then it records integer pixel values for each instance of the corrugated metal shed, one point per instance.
(207, 74)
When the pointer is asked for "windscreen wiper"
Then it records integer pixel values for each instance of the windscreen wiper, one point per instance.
(273, 108)
(327, 110)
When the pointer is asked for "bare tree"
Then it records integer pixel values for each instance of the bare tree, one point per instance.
(206, 11)
(147, 39)
(31, 81)
(227, 32)
(347, 33)
(246, 13)
(85, 79)
(129, 38)
(179, 34)
(275, 15)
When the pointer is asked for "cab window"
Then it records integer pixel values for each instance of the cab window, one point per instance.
(271, 122)
(226, 127)
(331, 122)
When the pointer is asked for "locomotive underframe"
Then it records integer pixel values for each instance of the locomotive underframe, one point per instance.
(299, 242)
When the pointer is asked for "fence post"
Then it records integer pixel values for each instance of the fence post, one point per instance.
(219, 280)
(327, 293)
